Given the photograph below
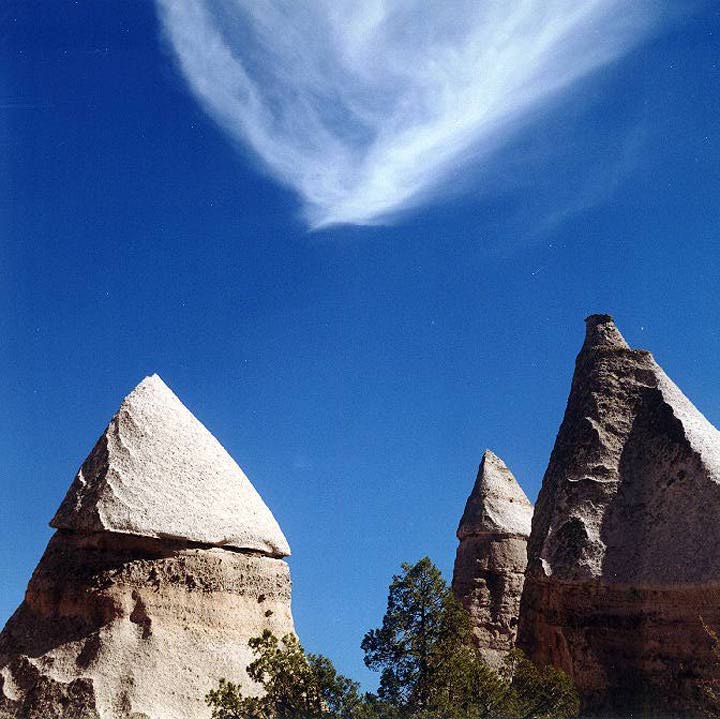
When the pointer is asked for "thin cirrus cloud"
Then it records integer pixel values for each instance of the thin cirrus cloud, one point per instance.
(366, 109)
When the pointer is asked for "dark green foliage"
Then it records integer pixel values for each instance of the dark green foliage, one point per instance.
(297, 686)
(429, 669)
(709, 690)
(423, 631)
(538, 693)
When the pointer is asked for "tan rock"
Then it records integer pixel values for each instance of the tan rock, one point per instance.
(127, 625)
(491, 558)
(623, 554)
(157, 472)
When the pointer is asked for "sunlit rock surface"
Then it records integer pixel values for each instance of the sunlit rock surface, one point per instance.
(156, 471)
(491, 558)
(146, 597)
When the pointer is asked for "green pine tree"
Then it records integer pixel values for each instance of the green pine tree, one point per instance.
(423, 631)
(430, 669)
(296, 686)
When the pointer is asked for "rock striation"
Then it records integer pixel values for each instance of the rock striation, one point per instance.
(491, 558)
(164, 563)
(624, 553)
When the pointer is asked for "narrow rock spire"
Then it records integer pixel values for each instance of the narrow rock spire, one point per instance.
(491, 558)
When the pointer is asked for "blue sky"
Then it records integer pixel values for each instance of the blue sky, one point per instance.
(356, 372)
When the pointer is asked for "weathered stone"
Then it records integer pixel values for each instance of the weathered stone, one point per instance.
(128, 625)
(491, 558)
(120, 626)
(156, 471)
(624, 554)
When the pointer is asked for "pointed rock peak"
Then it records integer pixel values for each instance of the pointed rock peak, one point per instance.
(151, 383)
(629, 436)
(156, 471)
(497, 503)
(601, 333)
(493, 469)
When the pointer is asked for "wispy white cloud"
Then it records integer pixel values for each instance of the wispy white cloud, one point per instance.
(369, 107)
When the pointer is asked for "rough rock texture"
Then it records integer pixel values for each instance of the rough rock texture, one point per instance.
(491, 559)
(624, 554)
(157, 472)
(126, 626)
(122, 626)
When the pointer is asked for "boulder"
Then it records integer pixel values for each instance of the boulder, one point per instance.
(491, 558)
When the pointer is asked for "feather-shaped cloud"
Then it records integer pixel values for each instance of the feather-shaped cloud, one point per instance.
(368, 108)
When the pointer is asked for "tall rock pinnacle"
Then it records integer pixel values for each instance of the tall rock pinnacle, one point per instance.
(623, 554)
(491, 558)
(164, 563)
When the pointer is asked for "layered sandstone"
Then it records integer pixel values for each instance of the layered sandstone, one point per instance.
(139, 606)
(624, 554)
(492, 556)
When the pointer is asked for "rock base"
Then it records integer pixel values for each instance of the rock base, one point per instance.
(118, 627)
(488, 581)
(632, 651)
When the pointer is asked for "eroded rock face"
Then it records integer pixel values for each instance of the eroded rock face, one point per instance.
(129, 626)
(124, 626)
(624, 554)
(491, 558)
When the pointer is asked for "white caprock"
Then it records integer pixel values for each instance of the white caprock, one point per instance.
(497, 503)
(156, 471)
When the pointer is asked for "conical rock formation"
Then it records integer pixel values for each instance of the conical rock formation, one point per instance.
(157, 472)
(492, 556)
(166, 561)
(624, 554)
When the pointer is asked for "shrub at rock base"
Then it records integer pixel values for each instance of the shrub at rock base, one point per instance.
(429, 669)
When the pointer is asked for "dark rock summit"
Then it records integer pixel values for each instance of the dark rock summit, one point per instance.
(624, 553)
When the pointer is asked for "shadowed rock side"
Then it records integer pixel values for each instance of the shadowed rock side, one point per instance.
(124, 626)
(624, 554)
(491, 558)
